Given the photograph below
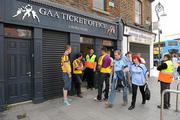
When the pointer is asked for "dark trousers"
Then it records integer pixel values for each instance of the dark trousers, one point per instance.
(77, 82)
(165, 86)
(103, 77)
(90, 78)
(134, 93)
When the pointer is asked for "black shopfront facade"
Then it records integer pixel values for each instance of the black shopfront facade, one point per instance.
(32, 39)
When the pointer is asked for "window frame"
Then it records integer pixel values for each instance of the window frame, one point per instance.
(138, 13)
(18, 30)
(99, 8)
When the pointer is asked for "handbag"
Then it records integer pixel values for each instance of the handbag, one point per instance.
(147, 92)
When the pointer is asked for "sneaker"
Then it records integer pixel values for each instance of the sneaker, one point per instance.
(144, 102)
(95, 99)
(105, 99)
(131, 107)
(108, 105)
(66, 103)
(159, 106)
(80, 96)
(124, 104)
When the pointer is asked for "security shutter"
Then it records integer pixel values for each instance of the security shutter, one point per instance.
(144, 50)
(53, 48)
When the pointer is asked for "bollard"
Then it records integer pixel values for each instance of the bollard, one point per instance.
(177, 98)
(162, 101)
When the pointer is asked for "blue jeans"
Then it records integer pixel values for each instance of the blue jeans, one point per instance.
(112, 94)
(67, 82)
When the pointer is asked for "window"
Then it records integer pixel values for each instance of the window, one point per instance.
(17, 32)
(138, 12)
(99, 4)
(108, 43)
(174, 43)
(86, 40)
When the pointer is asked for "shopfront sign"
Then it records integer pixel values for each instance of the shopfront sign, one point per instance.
(63, 19)
(139, 36)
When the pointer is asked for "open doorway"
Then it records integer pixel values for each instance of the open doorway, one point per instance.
(111, 46)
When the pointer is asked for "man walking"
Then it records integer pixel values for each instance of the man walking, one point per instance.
(119, 75)
(104, 64)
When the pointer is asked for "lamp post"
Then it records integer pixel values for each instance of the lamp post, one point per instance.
(159, 8)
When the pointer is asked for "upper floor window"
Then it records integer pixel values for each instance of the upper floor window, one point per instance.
(138, 12)
(99, 4)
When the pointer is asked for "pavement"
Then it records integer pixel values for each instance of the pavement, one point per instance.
(87, 109)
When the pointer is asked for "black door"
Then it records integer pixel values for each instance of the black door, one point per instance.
(18, 70)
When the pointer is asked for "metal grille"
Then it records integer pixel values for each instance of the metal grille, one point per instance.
(144, 50)
(53, 48)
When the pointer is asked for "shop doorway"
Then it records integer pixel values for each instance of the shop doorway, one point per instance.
(85, 44)
(18, 65)
(111, 46)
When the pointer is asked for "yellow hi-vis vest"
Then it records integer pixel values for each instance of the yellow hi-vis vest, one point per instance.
(166, 75)
(90, 62)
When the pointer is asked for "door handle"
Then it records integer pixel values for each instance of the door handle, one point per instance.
(29, 74)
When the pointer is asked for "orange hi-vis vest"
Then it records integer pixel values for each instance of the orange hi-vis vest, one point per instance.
(166, 75)
(90, 61)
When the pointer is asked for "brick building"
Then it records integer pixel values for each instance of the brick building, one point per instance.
(33, 34)
(136, 16)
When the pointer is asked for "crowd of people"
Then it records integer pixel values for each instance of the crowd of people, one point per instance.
(123, 72)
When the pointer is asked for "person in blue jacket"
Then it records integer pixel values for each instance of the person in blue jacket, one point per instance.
(139, 76)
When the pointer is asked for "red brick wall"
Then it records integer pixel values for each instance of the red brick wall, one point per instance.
(123, 8)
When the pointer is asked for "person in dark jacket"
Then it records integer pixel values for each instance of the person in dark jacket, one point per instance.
(165, 78)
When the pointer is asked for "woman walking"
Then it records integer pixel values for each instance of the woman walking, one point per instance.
(139, 76)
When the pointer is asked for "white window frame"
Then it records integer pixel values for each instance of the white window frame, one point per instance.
(138, 12)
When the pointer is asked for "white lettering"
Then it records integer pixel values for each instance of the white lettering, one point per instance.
(56, 15)
(49, 13)
(42, 11)
(71, 18)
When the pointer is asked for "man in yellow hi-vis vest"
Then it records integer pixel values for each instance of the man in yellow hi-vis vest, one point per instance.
(90, 68)
(165, 78)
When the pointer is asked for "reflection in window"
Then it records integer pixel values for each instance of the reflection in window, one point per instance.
(99, 4)
(17, 32)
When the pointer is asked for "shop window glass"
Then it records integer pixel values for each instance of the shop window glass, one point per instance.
(99, 4)
(86, 40)
(138, 12)
(17, 32)
(108, 43)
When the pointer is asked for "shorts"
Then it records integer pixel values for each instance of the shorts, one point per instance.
(67, 82)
